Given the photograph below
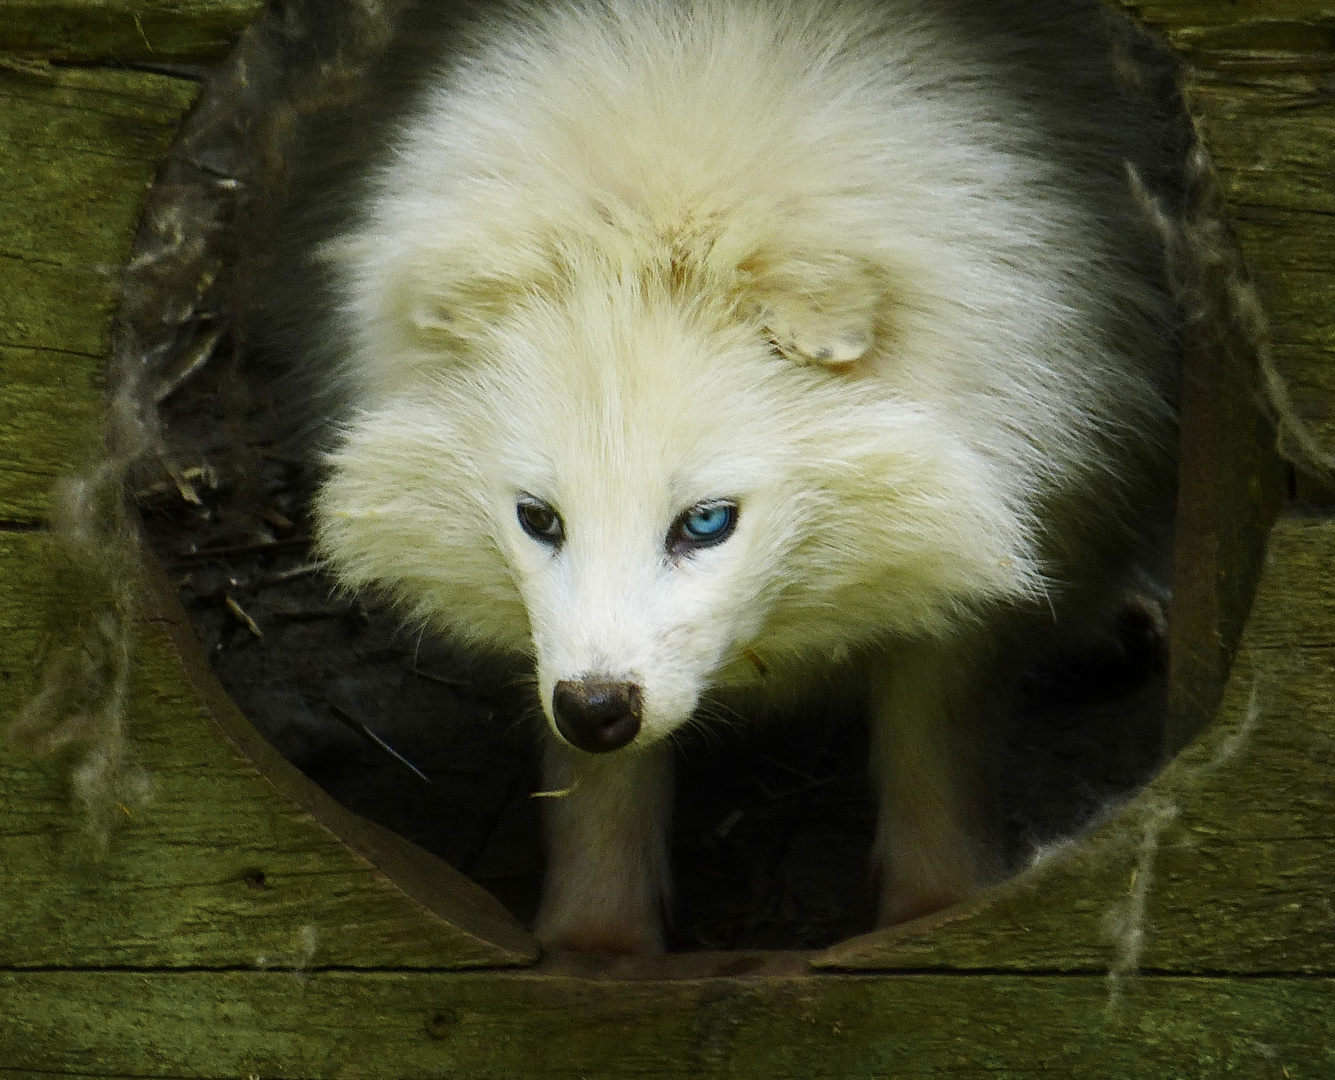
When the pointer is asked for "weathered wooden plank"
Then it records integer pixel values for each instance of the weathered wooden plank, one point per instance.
(47, 306)
(80, 150)
(1273, 143)
(124, 30)
(1271, 139)
(218, 868)
(67, 204)
(105, 111)
(51, 403)
(1294, 285)
(179, 887)
(1274, 155)
(1296, 609)
(1223, 863)
(1238, 846)
(1241, 33)
(771, 1026)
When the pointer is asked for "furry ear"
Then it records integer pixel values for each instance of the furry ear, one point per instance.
(826, 311)
(452, 317)
(803, 332)
(417, 298)
(433, 319)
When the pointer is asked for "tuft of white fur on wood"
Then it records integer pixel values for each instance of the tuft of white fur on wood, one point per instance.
(700, 348)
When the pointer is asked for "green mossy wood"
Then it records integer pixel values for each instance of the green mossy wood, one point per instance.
(506, 1026)
(241, 924)
(124, 31)
(78, 152)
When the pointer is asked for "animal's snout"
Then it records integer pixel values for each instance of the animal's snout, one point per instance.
(597, 715)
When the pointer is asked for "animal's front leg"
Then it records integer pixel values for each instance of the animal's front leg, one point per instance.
(931, 737)
(607, 867)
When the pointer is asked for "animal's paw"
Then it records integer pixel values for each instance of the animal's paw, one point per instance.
(901, 905)
(624, 937)
(928, 878)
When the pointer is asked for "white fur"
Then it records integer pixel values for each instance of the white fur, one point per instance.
(630, 255)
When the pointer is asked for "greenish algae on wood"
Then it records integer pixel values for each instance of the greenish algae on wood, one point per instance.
(1259, 92)
(1258, 87)
(1259, 84)
(51, 403)
(1236, 881)
(1273, 142)
(81, 150)
(1233, 34)
(124, 31)
(790, 1026)
(230, 863)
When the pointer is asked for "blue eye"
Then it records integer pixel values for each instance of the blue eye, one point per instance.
(540, 521)
(707, 522)
(703, 525)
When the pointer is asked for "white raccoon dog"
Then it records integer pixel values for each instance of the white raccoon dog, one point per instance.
(725, 347)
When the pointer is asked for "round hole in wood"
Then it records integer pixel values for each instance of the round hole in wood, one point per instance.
(773, 824)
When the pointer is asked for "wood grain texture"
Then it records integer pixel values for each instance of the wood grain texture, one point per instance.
(1238, 879)
(224, 866)
(51, 404)
(81, 148)
(1222, 864)
(1273, 141)
(1242, 34)
(219, 869)
(1260, 92)
(124, 31)
(776, 1027)
(1260, 87)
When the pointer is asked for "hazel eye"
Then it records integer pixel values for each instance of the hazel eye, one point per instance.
(703, 525)
(540, 521)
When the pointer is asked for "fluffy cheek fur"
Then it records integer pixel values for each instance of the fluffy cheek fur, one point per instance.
(406, 511)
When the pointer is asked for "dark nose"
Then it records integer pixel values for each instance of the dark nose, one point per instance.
(597, 715)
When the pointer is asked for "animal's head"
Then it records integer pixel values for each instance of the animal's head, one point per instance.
(648, 497)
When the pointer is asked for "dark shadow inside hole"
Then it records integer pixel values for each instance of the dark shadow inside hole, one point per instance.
(773, 821)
